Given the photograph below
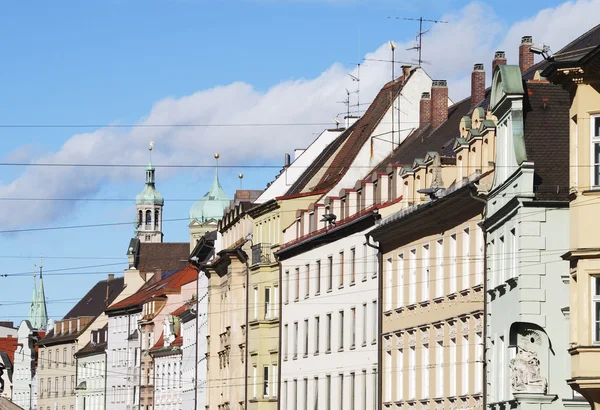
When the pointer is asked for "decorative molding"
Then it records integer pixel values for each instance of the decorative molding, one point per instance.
(452, 329)
(412, 337)
(478, 318)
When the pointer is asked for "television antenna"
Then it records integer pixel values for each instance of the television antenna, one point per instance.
(419, 46)
(357, 79)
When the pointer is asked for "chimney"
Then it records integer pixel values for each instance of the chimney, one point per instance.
(158, 272)
(111, 276)
(287, 160)
(439, 102)
(477, 84)
(425, 110)
(525, 56)
(405, 71)
(499, 59)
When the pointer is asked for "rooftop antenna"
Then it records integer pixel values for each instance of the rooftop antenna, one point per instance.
(393, 48)
(346, 102)
(419, 46)
(357, 79)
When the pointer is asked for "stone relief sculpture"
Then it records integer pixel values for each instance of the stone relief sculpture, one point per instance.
(525, 367)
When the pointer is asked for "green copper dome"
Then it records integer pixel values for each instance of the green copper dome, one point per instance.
(149, 194)
(212, 204)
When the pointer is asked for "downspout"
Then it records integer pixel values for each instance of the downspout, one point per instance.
(105, 372)
(379, 320)
(485, 308)
(247, 331)
(279, 310)
(197, 330)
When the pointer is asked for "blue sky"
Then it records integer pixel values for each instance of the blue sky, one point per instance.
(186, 61)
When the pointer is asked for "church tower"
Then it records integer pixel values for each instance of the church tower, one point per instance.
(208, 211)
(149, 206)
(38, 314)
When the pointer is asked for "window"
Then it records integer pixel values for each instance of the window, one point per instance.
(328, 392)
(341, 269)
(64, 386)
(341, 334)
(285, 341)
(274, 382)
(72, 384)
(352, 391)
(452, 367)
(502, 260)
(135, 395)
(478, 379)
(389, 285)
(596, 298)
(65, 357)
(57, 360)
(466, 245)
(267, 303)
(266, 381)
(276, 301)
(364, 324)
(595, 128)
(425, 274)
(56, 385)
(255, 380)
(305, 337)
(148, 218)
(306, 394)
(329, 273)
(465, 360)
(307, 282)
(328, 340)
(352, 266)
(365, 261)
(353, 327)
(295, 352)
(318, 278)
(316, 393)
(375, 318)
(156, 219)
(295, 398)
(285, 394)
(287, 286)
(439, 272)
(400, 281)
(341, 391)
(364, 390)
(49, 386)
(42, 360)
(439, 370)
(452, 279)
(140, 217)
(399, 371)
(255, 303)
(317, 324)
(412, 372)
(387, 374)
(297, 284)
(425, 371)
(512, 253)
(412, 287)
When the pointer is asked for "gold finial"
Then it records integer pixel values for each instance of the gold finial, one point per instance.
(240, 176)
(151, 146)
(217, 155)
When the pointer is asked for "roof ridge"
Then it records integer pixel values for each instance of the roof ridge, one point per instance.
(587, 33)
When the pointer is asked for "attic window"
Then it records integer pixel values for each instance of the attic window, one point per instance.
(161, 286)
(211, 198)
(341, 170)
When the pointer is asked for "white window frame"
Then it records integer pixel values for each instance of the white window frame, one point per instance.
(466, 251)
(594, 141)
(268, 305)
(596, 308)
(425, 274)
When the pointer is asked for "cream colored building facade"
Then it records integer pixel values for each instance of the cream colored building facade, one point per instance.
(577, 69)
(227, 274)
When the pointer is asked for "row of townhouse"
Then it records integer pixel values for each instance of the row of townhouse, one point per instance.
(438, 268)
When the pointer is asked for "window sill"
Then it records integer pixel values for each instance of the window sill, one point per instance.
(341, 287)
(306, 297)
(329, 290)
(315, 353)
(353, 347)
(304, 356)
(328, 352)
(353, 283)
(364, 344)
(374, 342)
(318, 293)
(296, 300)
(364, 279)
(295, 358)
(341, 349)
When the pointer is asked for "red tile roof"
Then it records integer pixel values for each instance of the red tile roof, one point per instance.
(180, 309)
(8, 345)
(170, 284)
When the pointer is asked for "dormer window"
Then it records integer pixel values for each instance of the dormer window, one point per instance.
(595, 125)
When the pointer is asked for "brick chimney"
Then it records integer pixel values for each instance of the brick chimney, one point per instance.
(477, 84)
(111, 276)
(425, 110)
(439, 102)
(405, 71)
(499, 59)
(525, 56)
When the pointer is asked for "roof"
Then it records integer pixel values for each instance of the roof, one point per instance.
(546, 135)
(97, 299)
(165, 256)
(95, 347)
(160, 344)
(181, 309)
(212, 204)
(149, 194)
(91, 305)
(170, 284)
(6, 404)
(580, 47)
(8, 345)
(349, 142)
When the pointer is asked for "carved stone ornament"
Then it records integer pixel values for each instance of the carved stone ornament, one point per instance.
(411, 405)
(437, 181)
(525, 367)
(478, 323)
(453, 404)
(439, 332)
(452, 329)
(464, 325)
(439, 405)
(412, 338)
(387, 340)
(478, 402)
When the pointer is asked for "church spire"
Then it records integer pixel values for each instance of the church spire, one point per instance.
(38, 314)
(149, 204)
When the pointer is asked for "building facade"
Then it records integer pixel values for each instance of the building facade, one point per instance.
(25, 366)
(526, 228)
(576, 68)
(91, 381)
(168, 366)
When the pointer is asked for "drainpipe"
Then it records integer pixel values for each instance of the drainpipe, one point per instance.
(379, 320)
(247, 331)
(485, 309)
(279, 310)
(105, 373)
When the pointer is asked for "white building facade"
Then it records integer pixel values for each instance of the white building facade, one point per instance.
(329, 319)
(25, 366)
(91, 373)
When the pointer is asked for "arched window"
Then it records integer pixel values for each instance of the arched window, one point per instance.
(148, 218)
(140, 216)
(156, 219)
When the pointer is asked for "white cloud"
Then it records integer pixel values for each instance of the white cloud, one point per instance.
(471, 36)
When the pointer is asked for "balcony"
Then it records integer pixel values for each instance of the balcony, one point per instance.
(262, 254)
